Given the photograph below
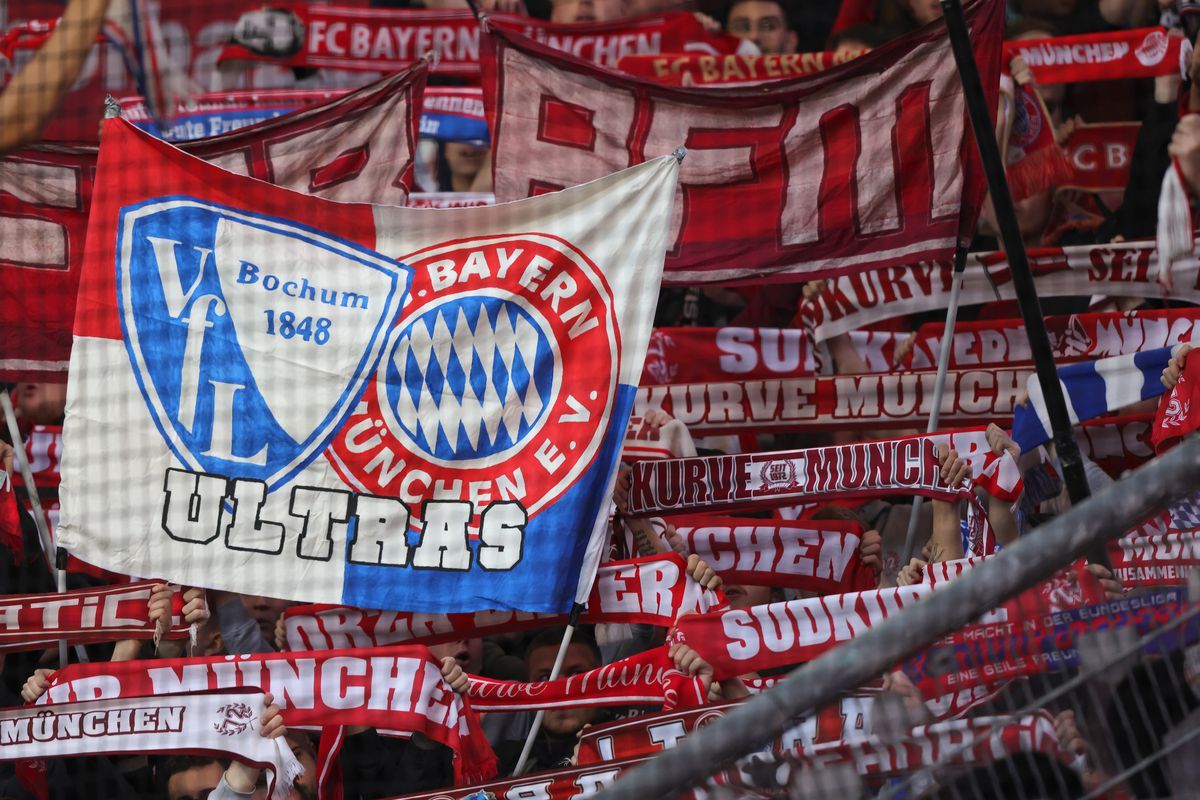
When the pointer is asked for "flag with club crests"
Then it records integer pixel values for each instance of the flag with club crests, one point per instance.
(394, 408)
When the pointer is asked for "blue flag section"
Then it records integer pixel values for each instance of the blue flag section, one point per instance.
(1092, 389)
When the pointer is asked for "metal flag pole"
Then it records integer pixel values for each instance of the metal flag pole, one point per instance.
(35, 504)
(576, 610)
(1074, 475)
(939, 386)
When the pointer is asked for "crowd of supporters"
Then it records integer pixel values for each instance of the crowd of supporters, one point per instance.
(377, 766)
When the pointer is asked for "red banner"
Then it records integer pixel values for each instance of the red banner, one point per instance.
(652, 590)
(1101, 156)
(83, 616)
(371, 39)
(872, 401)
(1138, 53)
(398, 689)
(648, 678)
(817, 185)
(701, 69)
(1128, 269)
(817, 557)
(356, 148)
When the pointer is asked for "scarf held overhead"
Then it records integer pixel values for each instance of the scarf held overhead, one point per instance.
(652, 590)
(374, 39)
(199, 723)
(83, 616)
(1127, 269)
(762, 480)
(398, 689)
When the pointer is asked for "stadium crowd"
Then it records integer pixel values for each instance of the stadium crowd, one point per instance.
(375, 765)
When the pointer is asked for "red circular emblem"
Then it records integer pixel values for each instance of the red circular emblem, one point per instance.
(494, 382)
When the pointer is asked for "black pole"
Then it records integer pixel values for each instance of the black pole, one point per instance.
(1074, 475)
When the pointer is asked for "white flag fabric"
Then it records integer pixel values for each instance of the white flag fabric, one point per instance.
(385, 407)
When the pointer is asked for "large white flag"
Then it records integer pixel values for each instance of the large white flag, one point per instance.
(276, 394)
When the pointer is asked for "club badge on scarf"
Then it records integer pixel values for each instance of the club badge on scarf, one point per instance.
(1035, 161)
(225, 722)
(397, 689)
(765, 480)
(348, 403)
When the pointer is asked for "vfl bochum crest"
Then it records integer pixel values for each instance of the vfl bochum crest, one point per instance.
(250, 337)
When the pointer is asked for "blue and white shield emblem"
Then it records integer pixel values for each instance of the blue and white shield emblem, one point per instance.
(251, 337)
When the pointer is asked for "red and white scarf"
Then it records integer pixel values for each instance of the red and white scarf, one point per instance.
(954, 742)
(396, 689)
(83, 616)
(1163, 560)
(873, 401)
(1075, 337)
(648, 678)
(1127, 269)
(651, 590)
(821, 557)
(1035, 161)
(1137, 53)
(764, 637)
(820, 474)
(199, 723)
(388, 39)
(702, 69)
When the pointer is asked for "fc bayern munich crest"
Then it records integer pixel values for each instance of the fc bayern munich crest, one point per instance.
(496, 381)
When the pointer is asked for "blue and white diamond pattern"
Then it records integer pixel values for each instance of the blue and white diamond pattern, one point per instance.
(470, 377)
